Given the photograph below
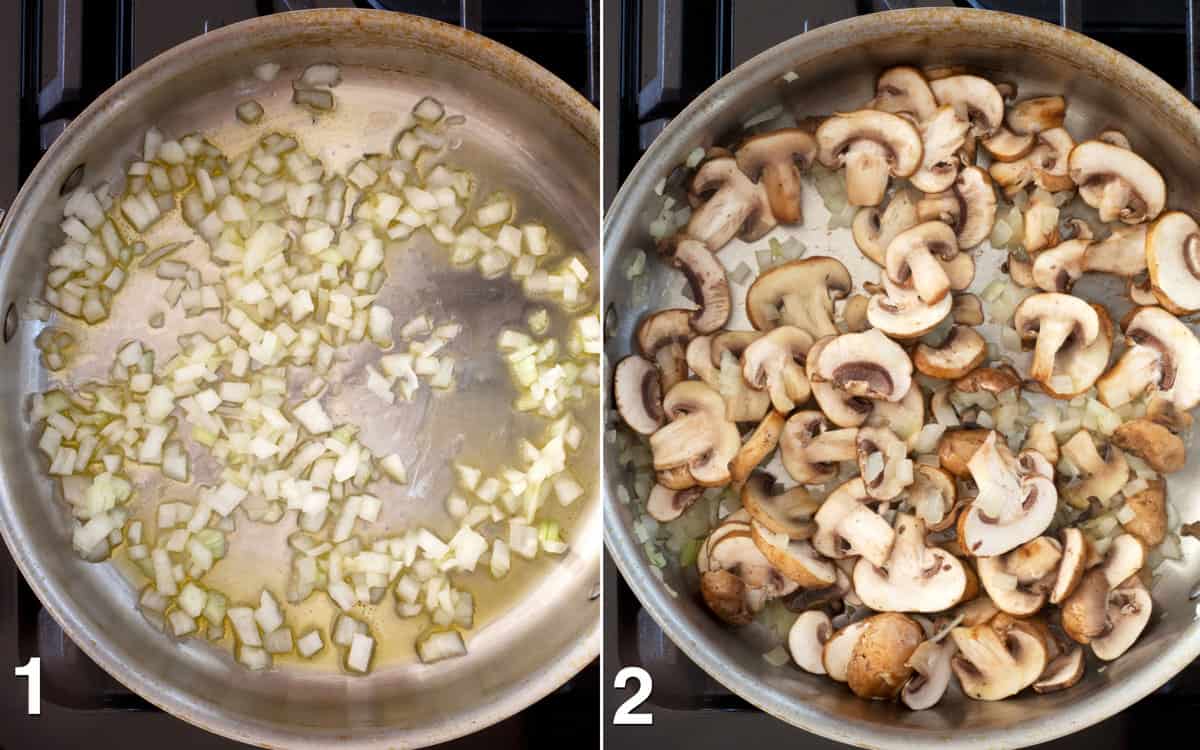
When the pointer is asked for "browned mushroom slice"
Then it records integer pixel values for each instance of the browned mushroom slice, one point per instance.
(775, 160)
(662, 338)
(1117, 182)
(916, 578)
(931, 666)
(1054, 322)
(675, 478)
(994, 380)
(638, 395)
(775, 363)
(1076, 550)
(810, 452)
(1122, 253)
(956, 447)
(976, 100)
(902, 90)
(807, 638)
(960, 352)
(842, 408)
(1159, 345)
(899, 312)
(732, 205)
(794, 558)
(710, 287)
(865, 364)
(883, 462)
(1061, 673)
(1083, 612)
(1128, 609)
(942, 136)
(1006, 146)
(1173, 259)
(757, 447)
(1016, 502)
(1149, 507)
(854, 314)
(665, 504)
(847, 527)
(836, 654)
(1161, 411)
(878, 667)
(725, 595)
(799, 293)
(1102, 474)
(789, 513)
(969, 207)
(1056, 269)
(698, 435)
(1036, 115)
(967, 310)
(872, 146)
(990, 667)
(1153, 443)
(874, 229)
(1019, 581)
(912, 258)
(1040, 227)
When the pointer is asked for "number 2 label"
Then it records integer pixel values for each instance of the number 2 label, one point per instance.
(32, 672)
(625, 713)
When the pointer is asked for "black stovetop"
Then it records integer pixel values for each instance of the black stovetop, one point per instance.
(650, 76)
(59, 55)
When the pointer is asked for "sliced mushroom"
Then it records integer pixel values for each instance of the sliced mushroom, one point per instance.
(738, 521)
(883, 462)
(799, 293)
(1161, 411)
(1115, 138)
(1153, 443)
(994, 380)
(912, 259)
(638, 395)
(1140, 291)
(905, 417)
(847, 527)
(1016, 501)
(1040, 437)
(1036, 115)
(757, 447)
(810, 452)
(725, 595)
(1122, 253)
(1103, 474)
(836, 654)
(1019, 581)
(732, 205)
(1055, 322)
(1020, 270)
(1159, 345)
(662, 338)
(1076, 549)
(960, 270)
(807, 638)
(737, 553)
(916, 578)
(666, 504)
(1006, 146)
(967, 310)
(874, 229)
(1173, 259)
(842, 408)
(992, 666)
(969, 207)
(878, 667)
(1117, 182)
(1125, 557)
(710, 287)
(775, 363)
(960, 352)
(899, 312)
(933, 496)
(975, 99)
(1061, 673)
(872, 145)
(707, 356)
(931, 666)
(795, 558)
(1129, 607)
(1056, 269)
(977, 611)
(867, 364)
(854, 314)
(1083, 612)
(789, 513)
(956, 447)
(698, 435)
(775, 160)
(1149, 522)
(1077, 368)
(902, 90)
(675, 478)
(1040, 226)
(942, 136)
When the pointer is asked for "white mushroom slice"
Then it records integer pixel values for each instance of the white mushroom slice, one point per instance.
(1077, 368)
(1016, 501)
(1056, 269)
(795, 558)
(775, 160)
(942, 136)
(789, 513)
(1018, 582)
(807, 638)
(1173, 259)
(883, 462)
(912, 259)
(1061, 673)
(737, 553)
(899, 312)
(705, 353)
(1102, 475)
(916, 578)
(1117, 182)
(756, 448)
(775, 363)
(993, 668)
(1122, 253)
(872, 145)
(1040, 227)
(878, 666)
(969, 207)
(932, 672)
(1160, 345)
(902, 90)
(874, 230)
(1006, 146)
(932, 496)
(810, 452)
(663, 338)
(867, 364)
(732, 205)
(710, 287)
(905, 417)
(799, 293)
(967, 310)
(737, 521)
(835, 656)
(698, 437)
(1125, 557)
(976, 100)
(847, 527)
(638, 395)
(1045, 166)
(1056, 322)
(960, 352)
(1075, 552)
(665, 504)
(842, 408)
(1128, 609)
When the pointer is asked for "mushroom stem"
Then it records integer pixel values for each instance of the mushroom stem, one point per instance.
(866, 173)
(1052, 334)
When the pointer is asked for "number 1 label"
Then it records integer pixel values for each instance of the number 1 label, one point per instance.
(32, 672)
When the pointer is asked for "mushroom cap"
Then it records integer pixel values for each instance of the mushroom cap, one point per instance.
(898, 138)
(842, 408)
(775, 160)
(967, 310)
(902, 89)
(930, 662)
(1175, 344)
(775, 363)
(1165, 413)
(1149, 523)
(942, 136)
(916, 578)
(1173, 259)
(1055, 321)
(757, 447)
(662, 337)
(638, 394)
(1075, 552)
(737, 553)
(912, 259)
(873, 229)
(1036, 114)
(735, 206)
(1082, 366)
(710, 287)
(1117, 182)
(959, 353)
(1083, 612)
(800, 293)
(839, 649)
(1061, 673)
(885, 477)
(975, 99)
(1017, 500)
(957, 446)
(725, 595)
(867, 364)
(1104, 474)
(1122, 253)
(847, 527)
(795, 558)
(665, 504)
(1129, 607)
(899, 312)
(807, 638)
(1153, 443)
(789, 513)
(991, 667)
(878, 667)
(698, 435)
